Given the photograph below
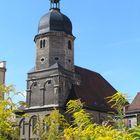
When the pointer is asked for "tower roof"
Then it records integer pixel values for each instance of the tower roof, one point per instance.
(135, 105)
(54, 20)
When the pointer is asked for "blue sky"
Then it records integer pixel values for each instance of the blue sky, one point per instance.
(107, 38)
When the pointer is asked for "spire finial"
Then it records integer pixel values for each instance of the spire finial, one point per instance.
(55, 4)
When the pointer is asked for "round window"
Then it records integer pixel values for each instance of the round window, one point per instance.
(56, 58)
(42, 59)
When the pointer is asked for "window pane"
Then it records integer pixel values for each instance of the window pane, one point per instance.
(69, 45)
(34, 122)
(23, 127)
(41, 44)
(44, 43)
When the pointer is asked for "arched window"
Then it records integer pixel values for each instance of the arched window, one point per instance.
(44, 43)
(45, 125)
(69, 45)
(34, 122)
(22, 126)
(35, 84)
(48, 82)
(41, 43)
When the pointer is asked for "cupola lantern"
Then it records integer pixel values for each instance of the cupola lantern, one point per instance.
(55, 4)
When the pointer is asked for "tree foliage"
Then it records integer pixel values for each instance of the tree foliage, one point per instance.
(81, 127)
(55, 126)
(8, 129)
(118, 101)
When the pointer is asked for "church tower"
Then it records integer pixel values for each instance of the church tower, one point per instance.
(55, 79)
(49, 82)
(54, 41)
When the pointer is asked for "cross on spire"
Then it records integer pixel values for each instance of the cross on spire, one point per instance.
(55, 4)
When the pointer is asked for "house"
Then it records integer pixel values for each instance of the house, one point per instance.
(132, 115)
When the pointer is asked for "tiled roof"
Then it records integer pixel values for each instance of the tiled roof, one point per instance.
(92, 90)
(135, 105)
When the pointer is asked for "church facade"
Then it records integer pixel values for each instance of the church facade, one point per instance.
(55, 79)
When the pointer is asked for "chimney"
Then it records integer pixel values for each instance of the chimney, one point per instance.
(2, 72)
(2, 76)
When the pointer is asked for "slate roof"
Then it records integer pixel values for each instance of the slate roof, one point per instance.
(135, 105)
(54, 20)
(92, 90)
(54, 66)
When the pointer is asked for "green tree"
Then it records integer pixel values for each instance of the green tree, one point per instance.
(8, 129)
(118, 101)
(51, 127)
(55, 127)
(80, 128)
(83, 128)
(136, 132)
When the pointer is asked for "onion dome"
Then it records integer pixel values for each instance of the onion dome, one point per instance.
(54, 20)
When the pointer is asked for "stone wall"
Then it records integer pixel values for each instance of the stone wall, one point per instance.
(2, 72)
(54, 47)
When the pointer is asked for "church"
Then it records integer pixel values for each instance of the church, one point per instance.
(55, 79)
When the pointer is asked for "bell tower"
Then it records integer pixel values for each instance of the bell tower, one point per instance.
(54, 41)
(50, 81)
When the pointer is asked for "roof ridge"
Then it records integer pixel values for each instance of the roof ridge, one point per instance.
(87, 69)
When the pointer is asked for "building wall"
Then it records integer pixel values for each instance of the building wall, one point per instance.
(27, 124)
(2, 72)
(2, 75)
(131, 122)
(99, 117)
(54, 47)
(49, 87)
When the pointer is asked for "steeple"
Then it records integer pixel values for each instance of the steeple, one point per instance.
(54, 40)
(49, 83)
(55, 4)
